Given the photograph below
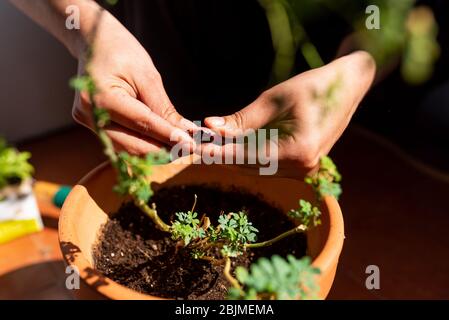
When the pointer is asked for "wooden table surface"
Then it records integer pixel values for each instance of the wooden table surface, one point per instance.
(31, 267)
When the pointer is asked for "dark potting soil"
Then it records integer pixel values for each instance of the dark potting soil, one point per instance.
(134, 253)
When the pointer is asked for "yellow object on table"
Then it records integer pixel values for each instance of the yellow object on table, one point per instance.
(20, 215)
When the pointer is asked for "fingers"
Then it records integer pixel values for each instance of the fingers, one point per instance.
(153, 95)
(228, 153)
(126, 140)
(249, 154)
(268, 165)
(254, 116)
(134, 128)
(122, 138)
(132, 114)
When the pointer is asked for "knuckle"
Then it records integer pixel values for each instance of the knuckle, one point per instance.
(240, 119)
(266, 96)
(305, 154)
(101, 100)
(170, 114)
(154, 76)
(145, 126)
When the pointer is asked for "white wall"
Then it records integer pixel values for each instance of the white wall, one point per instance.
(34, 74)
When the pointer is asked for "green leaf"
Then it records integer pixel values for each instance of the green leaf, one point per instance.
(14, 165)
(236, 231)
(102, 117)
(307, 214)
(277, 278)
(83, 83)
(186, 227)
(326, 182)
(230, 251)
(133, 172)
(144, 193)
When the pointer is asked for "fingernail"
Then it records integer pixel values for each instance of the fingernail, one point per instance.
(216, 121)
(207, 131)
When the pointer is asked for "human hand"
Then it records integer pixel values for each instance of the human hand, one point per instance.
(310, 111)
(143, 119)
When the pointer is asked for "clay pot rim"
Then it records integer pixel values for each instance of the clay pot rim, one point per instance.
(113, 290)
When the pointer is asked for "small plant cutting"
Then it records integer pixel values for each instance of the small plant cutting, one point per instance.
(233, 234)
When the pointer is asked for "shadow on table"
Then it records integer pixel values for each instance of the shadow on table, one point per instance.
(41, 281)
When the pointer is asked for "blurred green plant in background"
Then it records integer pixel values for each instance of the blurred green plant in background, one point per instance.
(421, 49)
(407, 34)
(14, 165)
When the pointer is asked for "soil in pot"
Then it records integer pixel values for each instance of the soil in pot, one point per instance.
(132, 252)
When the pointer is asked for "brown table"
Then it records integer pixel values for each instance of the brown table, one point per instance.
(31, 267)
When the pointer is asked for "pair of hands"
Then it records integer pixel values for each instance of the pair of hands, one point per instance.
(309, 108)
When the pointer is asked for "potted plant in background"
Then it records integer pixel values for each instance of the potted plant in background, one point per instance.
(19, 214)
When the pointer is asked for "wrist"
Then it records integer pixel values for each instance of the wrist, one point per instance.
(92, 19)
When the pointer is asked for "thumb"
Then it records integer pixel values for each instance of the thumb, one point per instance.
(254, 116)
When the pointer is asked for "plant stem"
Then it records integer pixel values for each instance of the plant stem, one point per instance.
(152, 213)
(311, 55)
(110, 153)
(104, 139)
(212, 260)
(229, 277)
(298, 229)
(194, 203)
(108, 147)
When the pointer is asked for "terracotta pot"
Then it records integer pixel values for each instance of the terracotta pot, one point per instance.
(86, 208)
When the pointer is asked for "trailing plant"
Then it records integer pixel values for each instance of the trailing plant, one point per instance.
(234, 234)
(14, 165)
(132, 171)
